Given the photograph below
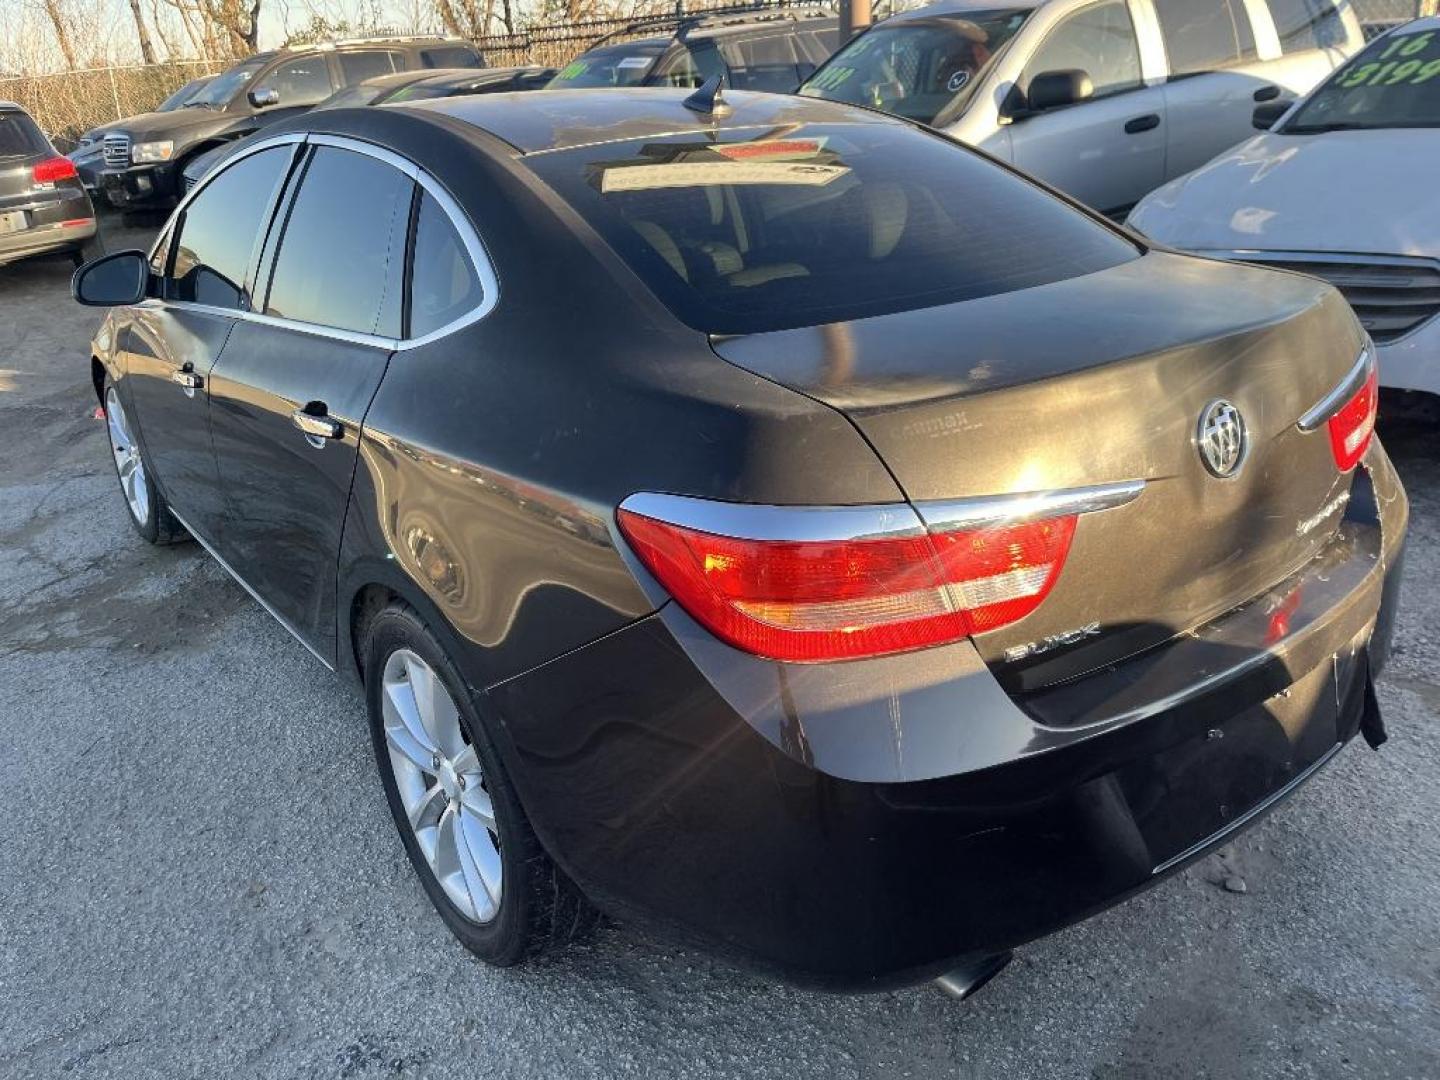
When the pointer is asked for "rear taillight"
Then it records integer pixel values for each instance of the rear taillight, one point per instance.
(52, 169)
(865, 593)
(1353, 425)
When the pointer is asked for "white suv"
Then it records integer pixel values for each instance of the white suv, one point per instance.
(1104, 99)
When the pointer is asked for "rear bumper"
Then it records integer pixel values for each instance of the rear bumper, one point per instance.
(867, 824)
(58, 224)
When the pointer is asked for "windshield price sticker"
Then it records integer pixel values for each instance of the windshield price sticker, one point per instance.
(634, 62)
(1409, 59)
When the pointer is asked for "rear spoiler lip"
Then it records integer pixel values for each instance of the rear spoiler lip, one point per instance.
(750, 521)
(955, 515)
(1342, 392)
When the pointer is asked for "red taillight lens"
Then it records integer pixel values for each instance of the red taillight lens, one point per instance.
(1353, 426)
(53, 169)
(820, 600)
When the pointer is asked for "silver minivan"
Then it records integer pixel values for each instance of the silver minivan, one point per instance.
(1104, 99)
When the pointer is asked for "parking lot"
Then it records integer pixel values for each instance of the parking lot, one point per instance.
(200, 877)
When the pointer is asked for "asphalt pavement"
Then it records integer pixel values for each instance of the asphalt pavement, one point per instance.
(199, 877)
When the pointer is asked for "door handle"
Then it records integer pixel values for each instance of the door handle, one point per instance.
(1267, 93)
(188, 379)
(316, 424)
(1148, 122)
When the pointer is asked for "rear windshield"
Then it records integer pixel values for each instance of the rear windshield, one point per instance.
(614, 65)
(917, 68)
(19, 136)
(763, 229)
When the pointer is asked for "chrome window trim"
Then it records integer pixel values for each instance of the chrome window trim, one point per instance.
(956, 515)
(250, 589)
(474, 247)
(751, 521)
(1342, 392)
(464, 228)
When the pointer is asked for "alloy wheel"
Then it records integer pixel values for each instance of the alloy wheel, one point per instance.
(441, 786)
(128, 463)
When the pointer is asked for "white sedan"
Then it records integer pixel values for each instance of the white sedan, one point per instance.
(1343, 186)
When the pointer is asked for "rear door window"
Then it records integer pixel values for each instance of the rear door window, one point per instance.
(450, 56)
(689, 66)
(1307, 24)
(766, 63)
(220, 229)
(304, 80)
(1205, 35)
(1100, 41)
(19, 137)
(822, 223)
(358, 66)
(443, 283)
(341, 258)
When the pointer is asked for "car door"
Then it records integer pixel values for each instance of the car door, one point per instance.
(1109, 150)
(1215, 78)
(292, 386)
(205, 265)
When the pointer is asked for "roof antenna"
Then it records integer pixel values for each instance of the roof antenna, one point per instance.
(710, 98)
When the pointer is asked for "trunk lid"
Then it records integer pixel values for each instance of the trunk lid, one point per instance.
(21, 145)
(1096, 380)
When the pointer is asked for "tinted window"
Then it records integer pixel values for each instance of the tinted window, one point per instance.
(917, 68)
(443, 283)
(358, 66)
(1306, 24)
(1100, 41)
(826, 222)
(1202, 35)
(767, 64)
(19, 135)
(220, 228)
(451, 56)
(689, 67)
(302, 81)
(341, 256)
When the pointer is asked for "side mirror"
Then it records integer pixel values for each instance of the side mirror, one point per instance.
(263, 97)
(1056, 89)
(112, 281)
(1264, 117)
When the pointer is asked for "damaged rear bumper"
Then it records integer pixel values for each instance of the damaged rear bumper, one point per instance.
(865, 824)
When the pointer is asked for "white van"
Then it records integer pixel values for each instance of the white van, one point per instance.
(1105, 99)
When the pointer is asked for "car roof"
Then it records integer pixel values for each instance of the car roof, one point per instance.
(12, 106)
(558, 119)
(449, 76)
(965, 7)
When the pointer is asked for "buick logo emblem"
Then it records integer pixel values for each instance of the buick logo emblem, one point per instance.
(1221, 438)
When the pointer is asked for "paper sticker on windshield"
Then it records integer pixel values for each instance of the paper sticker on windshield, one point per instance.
(633, 62)
(704, 173)
(573, 70)
(1409, 59)
(957, 81)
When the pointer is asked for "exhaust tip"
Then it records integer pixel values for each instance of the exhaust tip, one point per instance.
(966, 980)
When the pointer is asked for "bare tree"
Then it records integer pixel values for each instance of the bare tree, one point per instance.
(60, 21)
(147, 49)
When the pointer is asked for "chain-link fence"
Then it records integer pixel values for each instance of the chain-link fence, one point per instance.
(68, 103)
(557, 44)
(1377, 16)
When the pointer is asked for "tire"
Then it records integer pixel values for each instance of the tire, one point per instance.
(145, 506)
(538, 907)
